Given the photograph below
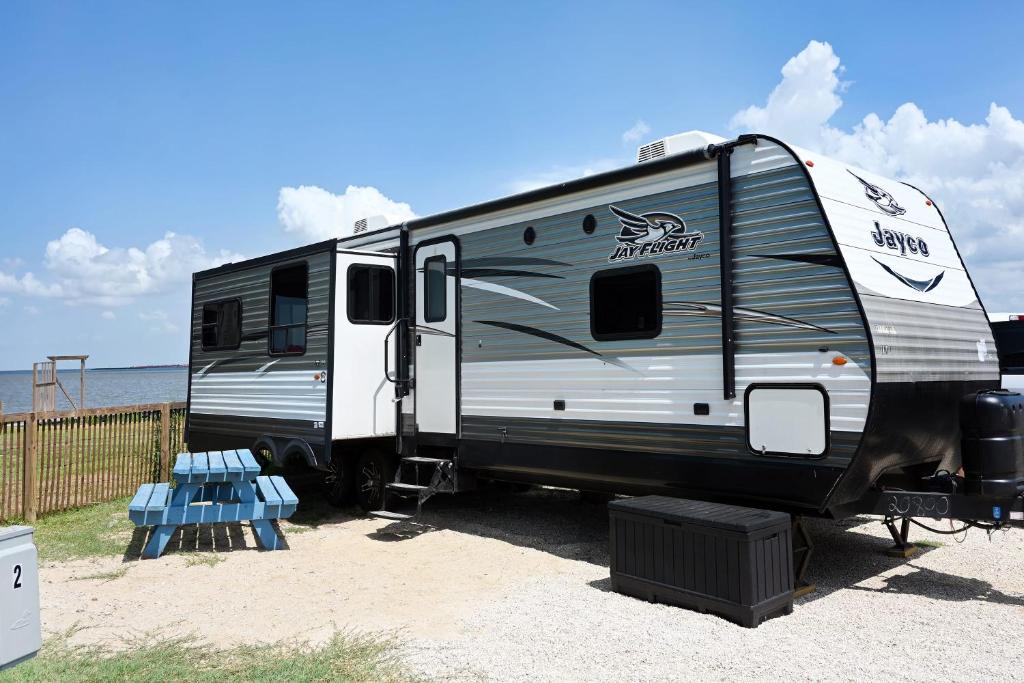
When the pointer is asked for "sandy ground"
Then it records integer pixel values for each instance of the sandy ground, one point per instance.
(515, 587)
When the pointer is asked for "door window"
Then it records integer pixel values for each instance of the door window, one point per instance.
(371, 295)
(435, 289)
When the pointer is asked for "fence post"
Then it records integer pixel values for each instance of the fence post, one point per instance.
(165, 440)
(29, 475)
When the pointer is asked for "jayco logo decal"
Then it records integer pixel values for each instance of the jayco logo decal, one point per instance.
(882, 199)
(651, 234)
(899, 241)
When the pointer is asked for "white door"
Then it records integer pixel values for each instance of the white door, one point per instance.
(435, 335)
(364, 316)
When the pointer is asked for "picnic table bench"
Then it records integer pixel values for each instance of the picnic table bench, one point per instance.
(210, 488)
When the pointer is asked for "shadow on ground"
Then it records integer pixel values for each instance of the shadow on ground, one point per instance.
(202, 538)
(559, 522)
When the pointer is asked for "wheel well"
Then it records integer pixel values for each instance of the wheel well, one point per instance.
(285, 451)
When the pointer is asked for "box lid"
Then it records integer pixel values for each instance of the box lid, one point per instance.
(9, 532)
(730, 517)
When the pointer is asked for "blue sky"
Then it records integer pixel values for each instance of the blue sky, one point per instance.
(130, 121)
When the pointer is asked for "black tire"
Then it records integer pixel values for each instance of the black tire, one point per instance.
(373, 472)
(338, 484)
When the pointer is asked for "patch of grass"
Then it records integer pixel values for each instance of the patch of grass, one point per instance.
(105, 576)
(928, 543)
(208, 559)
(344, 658)
(97, 530)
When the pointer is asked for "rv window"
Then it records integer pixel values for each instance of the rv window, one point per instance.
(222, 325)
(1009, 336)
(625, 303)
(288, 297)
(371, 295)
(435, 292)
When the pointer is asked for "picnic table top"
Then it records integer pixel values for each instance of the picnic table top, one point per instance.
(215, 466)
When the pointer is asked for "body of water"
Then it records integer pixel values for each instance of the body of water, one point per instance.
(103, 388)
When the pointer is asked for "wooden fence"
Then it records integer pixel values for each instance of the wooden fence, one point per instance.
(60, 460)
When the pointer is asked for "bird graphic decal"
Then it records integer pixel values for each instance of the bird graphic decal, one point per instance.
(882, 199)
(920, 285)
(647, 227)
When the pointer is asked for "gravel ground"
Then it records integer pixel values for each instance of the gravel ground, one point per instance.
(514, 587)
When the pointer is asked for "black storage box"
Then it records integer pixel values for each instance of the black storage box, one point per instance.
(734, 561)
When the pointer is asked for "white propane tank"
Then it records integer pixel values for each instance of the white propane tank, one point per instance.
(20, 631)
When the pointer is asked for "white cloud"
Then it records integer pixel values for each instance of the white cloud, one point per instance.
(160, 322)
(27, 284)
(12, 263)
(32, 310)
(313, 213)
(974, 172)
(636, 133)
(107, 315)
(90, 272)
(560, 174)
(4, 301)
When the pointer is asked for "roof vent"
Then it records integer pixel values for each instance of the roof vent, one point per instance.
(675, 144)
(369, 224)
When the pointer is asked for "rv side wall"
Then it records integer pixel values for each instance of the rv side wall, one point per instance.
(239, 394)
(541, 388)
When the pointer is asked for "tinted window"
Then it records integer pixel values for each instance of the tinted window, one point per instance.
(371, 295)
(288, 287)
(435, 289)
(222, 325)
(1010, 346)
(625, 303)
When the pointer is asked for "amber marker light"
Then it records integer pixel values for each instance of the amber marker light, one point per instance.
(838, 360)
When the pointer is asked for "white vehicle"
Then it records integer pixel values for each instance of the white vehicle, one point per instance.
(1008, 330)
(737, 320)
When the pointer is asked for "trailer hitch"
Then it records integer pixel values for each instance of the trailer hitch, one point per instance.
(937, 505)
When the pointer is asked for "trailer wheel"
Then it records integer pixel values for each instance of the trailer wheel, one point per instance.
(338, 481)
(373, 472)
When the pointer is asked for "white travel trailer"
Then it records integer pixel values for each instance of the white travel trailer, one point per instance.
(737, 320)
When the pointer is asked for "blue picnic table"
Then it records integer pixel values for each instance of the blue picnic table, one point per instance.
(211, 488)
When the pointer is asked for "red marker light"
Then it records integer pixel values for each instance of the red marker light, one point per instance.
(928, 202)
(809, 162)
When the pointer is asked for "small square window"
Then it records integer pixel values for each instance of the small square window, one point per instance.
(625, 303)
(371, 295)
(222, 325)
(435, 289)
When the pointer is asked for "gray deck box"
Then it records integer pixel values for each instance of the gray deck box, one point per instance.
(734, 561)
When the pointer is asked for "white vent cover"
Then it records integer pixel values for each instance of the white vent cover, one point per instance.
(369, 224)
(674, 144)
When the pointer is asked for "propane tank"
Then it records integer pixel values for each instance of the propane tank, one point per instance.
(992, 425)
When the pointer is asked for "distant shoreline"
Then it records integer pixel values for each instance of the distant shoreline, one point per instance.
(166, 366)
(144, 367)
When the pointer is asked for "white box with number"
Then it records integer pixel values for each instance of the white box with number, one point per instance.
(20, 634)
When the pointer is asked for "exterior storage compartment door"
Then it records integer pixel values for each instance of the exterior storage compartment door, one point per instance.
(787, 419)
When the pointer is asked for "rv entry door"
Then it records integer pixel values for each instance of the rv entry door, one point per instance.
(436, 334)
(364, 315)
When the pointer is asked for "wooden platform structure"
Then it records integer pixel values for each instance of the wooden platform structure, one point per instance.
(45, 382)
